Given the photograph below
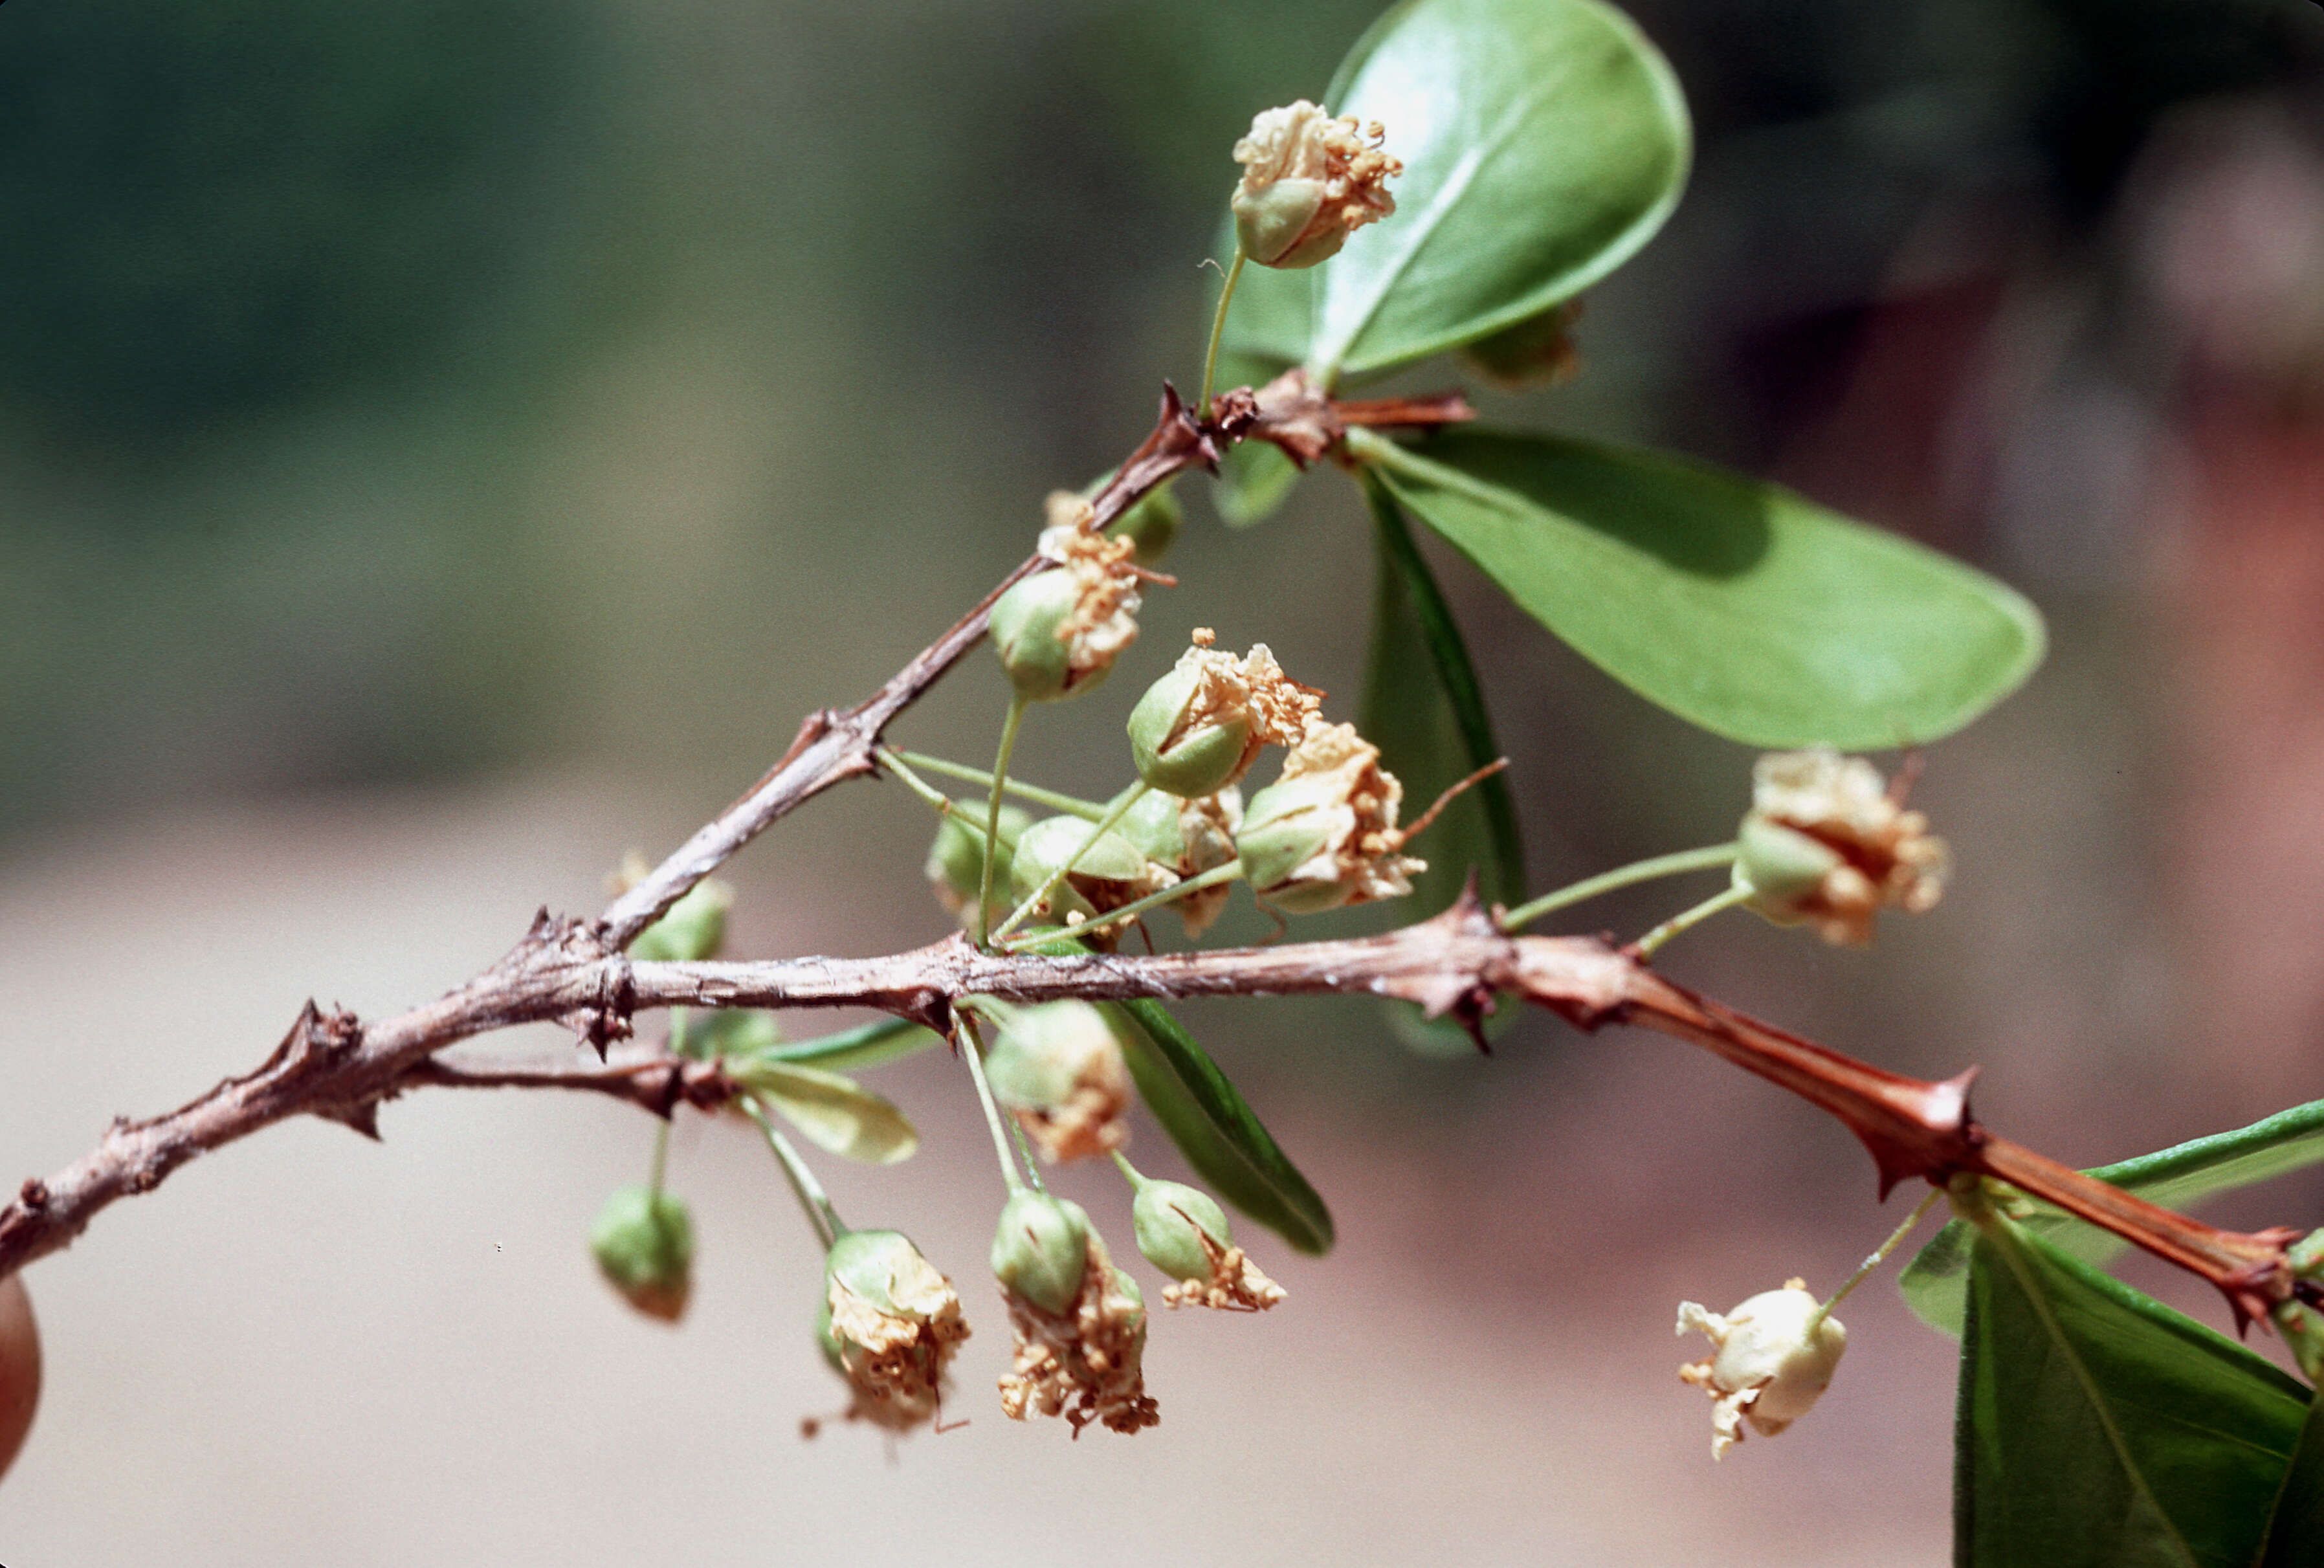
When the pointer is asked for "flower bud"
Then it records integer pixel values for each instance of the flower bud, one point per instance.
(1187, 837)
(1199, 727)
(1826, 841)
(890, 1324)
(1308, 182)
(692, 928)
(1325, 835)
(20, 1369)
(1058, 633)
(1107, 875)
(1766, 1367)
(1040, 1249)
(1084, 1359)
(1151, 525)
(1058, 1069)
(1183, 1232)
(955, 863)
(643, 1242)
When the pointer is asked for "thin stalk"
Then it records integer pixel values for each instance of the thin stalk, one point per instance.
(1106, 825)
(942, 804)
(1645, 870)
(1138, 1178)
(971, 1050)
(1218, 330)
(810, 1192)
(1879, 1255)
(661, 1160)
(1230, 872)
(1087, 811)
(992, 813)
(1688, 919)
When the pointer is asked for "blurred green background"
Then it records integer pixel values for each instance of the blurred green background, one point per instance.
(466, 439)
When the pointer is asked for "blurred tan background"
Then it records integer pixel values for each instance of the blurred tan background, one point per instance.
(443, 449)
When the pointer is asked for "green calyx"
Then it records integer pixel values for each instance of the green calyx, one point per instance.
(1040, 1249)
(1170, 1219)
(643, 1241)
(1285, 826)
(1041, 1054)
(1781, 865)
(1274, 224)
(870, 1263)
(693, 928)
(1183, 759)
(1029, 635)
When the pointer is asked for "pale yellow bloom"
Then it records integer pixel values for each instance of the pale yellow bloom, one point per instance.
(1827, 842)
(1765, 1367)
(1308, 182)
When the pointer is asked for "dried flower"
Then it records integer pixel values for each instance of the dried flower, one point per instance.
(1188, 837)
(1325, 835)
(1308, 182)
(1083, 1360)
(1826, 841)
(1199, 727)
(643, 1241)
(1058, 1069)
(1765, 1366)
(890, 1324)
(1058, 633)
(1183, 1232)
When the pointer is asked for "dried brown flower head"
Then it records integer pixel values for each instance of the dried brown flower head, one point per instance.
(1235, 1283)
(1827, 842)
(1058, 1070)
(1308, 182)
(894, 1326)
(1085, 1362)
(1325, 835)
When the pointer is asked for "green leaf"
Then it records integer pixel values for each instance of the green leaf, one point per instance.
(866, 1045)
(1544, 142)
(831, 1111)
(1254, 481)
(2295, 1534)
(735, 1031)
(1423, 708)
(2103, 1430)
(1215, 1130)
(2176, 1178)
(1739, 606)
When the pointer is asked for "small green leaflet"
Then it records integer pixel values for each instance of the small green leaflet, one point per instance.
(1215, 1129)
(1739, 606)
(833, 1112)
(2176, 1178)
(2101, 1429)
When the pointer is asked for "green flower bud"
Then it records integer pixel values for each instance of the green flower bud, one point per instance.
(1188, 837)
(1308, 182)
(1170, 1219)
(1325, 835)
(1826, 841)
(1108, 875)
(955, 863)
(643, 1242)
(692, 928)
(1028, 630)
(1040, 1249)
(1151, 525)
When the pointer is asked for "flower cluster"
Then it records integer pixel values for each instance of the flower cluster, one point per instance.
(1325, 835)
(890, 1326)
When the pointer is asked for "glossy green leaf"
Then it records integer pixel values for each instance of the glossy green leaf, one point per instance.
(1738, 606)
(2101, 1429)
(1423, 708)
(2295, 1532)
(833, 1112)
(1544, 142)
(1215, 1129)
(2176, 1178)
